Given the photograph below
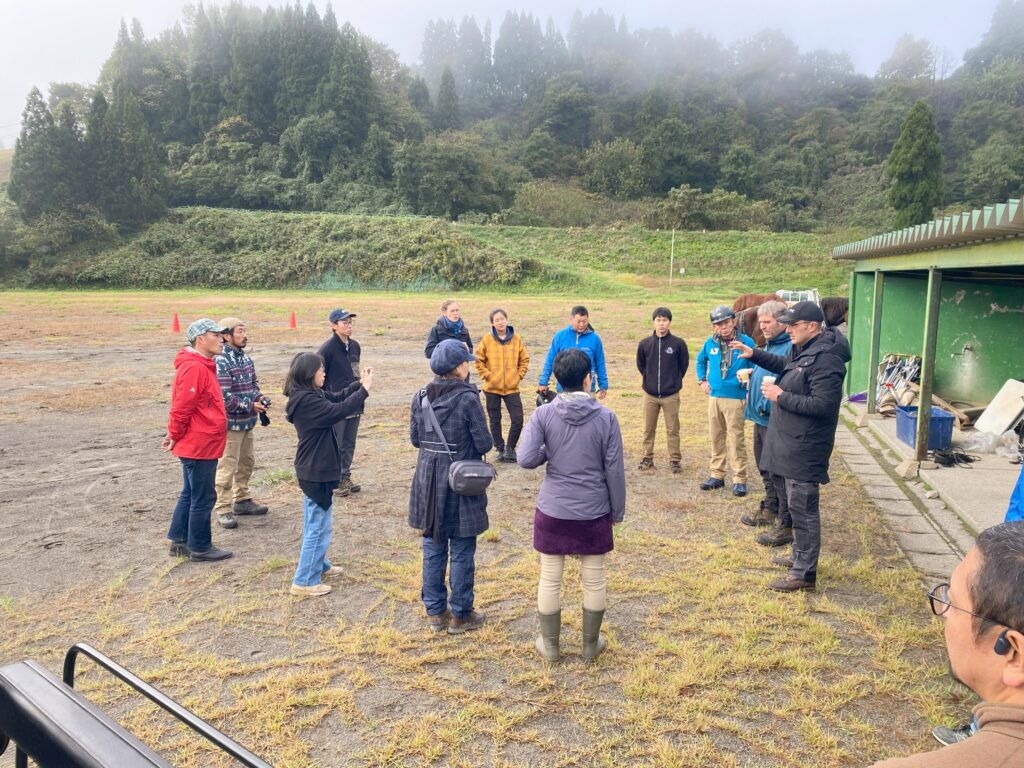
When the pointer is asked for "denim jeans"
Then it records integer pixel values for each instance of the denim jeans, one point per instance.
(461, 574)
(803, 508)
(317, 527)
(191, 519)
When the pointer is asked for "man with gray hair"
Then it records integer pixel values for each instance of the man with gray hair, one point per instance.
(773, 509)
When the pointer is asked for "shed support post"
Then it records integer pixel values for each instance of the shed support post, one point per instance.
(931, 328)
(876, 335)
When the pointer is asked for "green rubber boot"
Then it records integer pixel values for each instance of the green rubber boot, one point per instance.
(547, 640)
(593, 640)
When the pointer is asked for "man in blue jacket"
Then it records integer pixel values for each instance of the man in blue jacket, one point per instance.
(717, 368)
(773, 510)
(578, 334)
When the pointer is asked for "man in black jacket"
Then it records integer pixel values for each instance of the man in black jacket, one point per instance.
(662, 360)
(802, 428)
(341, 355)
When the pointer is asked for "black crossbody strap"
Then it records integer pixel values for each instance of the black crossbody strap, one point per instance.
(431, 417)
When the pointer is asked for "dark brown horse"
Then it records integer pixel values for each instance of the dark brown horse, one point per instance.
(835, 309)
(745, 308)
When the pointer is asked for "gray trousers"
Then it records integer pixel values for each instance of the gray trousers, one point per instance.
(774, 486)
(346, 430)
(803, 508)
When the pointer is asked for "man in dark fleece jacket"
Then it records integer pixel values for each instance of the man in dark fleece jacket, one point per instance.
(802, 428)
(662, 360)
(341, 354)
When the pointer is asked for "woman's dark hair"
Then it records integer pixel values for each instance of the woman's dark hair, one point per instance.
(497, 311)
(998, 583)
(300, 375)
(571, 367)
(662, 312)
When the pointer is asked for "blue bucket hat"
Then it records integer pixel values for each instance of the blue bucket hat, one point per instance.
(449, 355)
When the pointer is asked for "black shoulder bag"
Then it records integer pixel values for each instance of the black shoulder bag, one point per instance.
(466, 477)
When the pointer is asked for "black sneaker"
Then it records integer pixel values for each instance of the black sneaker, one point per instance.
(947, 736)
(248, 507)
(179, 549)
(711, 484)
(210, 555)
(646, 463)
(509, 456)
(676, 467)
(739, 489)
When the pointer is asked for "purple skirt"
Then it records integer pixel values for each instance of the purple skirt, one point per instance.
(554, 536)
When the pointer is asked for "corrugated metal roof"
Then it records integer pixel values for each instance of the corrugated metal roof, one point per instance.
(992, 222)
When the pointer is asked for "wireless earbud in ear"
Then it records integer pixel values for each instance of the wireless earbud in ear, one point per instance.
(1002, 646)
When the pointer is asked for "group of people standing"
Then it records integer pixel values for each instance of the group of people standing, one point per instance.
(791, 393)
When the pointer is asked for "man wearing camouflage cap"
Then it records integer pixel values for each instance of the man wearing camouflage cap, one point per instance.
(242, 402)
(196, 433)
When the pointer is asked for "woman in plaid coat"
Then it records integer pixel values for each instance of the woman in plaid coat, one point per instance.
(448, 521)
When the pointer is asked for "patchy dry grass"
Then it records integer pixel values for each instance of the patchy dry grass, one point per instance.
(704, 665)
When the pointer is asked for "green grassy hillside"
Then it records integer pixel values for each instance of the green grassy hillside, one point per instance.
(218, 248)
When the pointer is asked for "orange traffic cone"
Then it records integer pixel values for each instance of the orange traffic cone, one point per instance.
(175, 325)
(291, 322)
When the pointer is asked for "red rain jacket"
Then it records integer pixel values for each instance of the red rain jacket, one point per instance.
(197, 421)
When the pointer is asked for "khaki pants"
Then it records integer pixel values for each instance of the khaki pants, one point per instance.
(234, 469)
(669, 407)
(725, 422)
(549, 589)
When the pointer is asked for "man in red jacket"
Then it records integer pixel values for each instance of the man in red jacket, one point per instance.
(196, 434)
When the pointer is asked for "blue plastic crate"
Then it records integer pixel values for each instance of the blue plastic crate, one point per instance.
(940, 427)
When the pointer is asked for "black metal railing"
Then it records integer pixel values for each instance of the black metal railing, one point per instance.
(193, 721)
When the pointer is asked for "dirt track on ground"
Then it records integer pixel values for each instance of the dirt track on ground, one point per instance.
(704, 667)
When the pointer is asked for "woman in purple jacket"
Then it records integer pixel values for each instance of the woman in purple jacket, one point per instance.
(583, 494)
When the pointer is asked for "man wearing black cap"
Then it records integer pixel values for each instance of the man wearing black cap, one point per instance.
(341, 355)
(802, 428)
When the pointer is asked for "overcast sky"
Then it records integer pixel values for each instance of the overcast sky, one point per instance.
(68, 40)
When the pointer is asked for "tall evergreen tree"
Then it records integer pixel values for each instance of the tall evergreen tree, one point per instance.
(34, 170)
(915, 167)
(348, 89)
(446, 116)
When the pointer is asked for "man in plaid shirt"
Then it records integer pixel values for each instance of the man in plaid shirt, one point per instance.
(242, 401)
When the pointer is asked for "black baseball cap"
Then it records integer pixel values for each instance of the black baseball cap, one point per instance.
(802, 311)
(337, 315)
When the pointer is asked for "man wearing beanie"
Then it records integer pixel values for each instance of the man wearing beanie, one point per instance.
(196, 433)
(242, 402)
(341, 354)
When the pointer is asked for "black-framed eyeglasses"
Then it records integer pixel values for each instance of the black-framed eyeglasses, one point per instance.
(938, 599)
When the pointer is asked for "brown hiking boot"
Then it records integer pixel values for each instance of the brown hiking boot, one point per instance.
(646, 463)
(676, 467)
(791, 584)
(347, 487)
(760, 518)
(439, 621)
(457, 626)
(785, 561)
(776, 537)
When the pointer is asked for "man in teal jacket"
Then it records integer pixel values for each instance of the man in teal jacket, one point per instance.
(774, 510)
(578, 334)
(717, 368)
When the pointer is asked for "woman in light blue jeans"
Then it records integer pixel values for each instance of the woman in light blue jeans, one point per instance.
(314, 412)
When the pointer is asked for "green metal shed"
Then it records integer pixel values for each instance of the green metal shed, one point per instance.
(950, 290)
